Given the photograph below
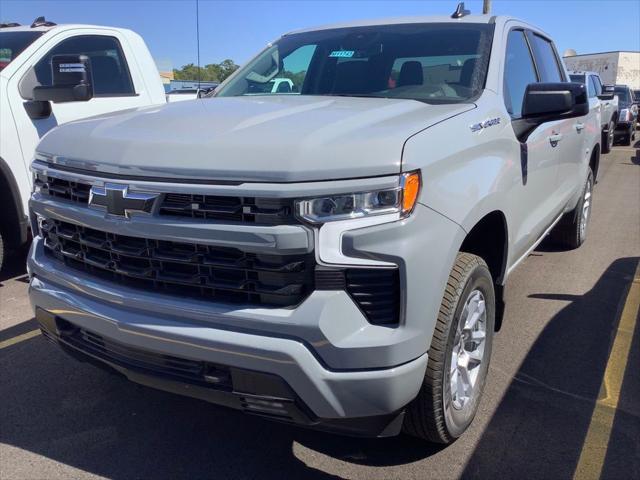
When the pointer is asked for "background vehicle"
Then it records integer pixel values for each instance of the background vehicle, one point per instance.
(333, 257)
(603, 103)
(180, 95)
(628, 117)
(124, 76)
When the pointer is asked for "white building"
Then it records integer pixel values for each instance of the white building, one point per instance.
(613, 67)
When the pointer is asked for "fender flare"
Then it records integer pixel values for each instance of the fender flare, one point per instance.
(20, 235)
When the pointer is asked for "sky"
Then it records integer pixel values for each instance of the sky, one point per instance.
(241, 28)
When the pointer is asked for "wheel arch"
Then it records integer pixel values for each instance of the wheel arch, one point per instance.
(489, 239)
(12, 216)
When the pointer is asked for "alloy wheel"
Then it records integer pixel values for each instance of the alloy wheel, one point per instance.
(468, 350)
(586, 208)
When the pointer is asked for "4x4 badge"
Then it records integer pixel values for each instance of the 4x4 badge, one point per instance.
(476, 127)
(118, 200)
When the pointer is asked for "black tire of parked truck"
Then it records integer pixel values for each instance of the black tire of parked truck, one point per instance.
(1, 251)
(432, 415)
(607, 137)
(571, 230)
(629, 137)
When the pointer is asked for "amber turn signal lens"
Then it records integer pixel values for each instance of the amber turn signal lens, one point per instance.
(410, 190)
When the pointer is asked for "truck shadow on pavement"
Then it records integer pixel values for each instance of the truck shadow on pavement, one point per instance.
(539, 428)
(83, 417)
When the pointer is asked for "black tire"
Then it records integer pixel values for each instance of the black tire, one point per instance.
(568, 232)
(626, 140)
(607, 137)
(1, 251)
(431, 416)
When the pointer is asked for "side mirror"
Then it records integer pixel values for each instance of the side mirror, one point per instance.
(547, 102)
(606, 96)
(71, 80)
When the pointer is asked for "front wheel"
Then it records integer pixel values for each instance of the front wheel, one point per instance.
(1, 250)
(458, 357)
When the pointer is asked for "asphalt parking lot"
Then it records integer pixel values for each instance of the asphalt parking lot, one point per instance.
(561, 399)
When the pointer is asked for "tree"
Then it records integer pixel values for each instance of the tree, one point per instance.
(213, 72)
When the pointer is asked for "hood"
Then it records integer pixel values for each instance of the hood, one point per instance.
(283, 138)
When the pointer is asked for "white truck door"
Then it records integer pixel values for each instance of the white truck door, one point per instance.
(117, 82)
(571, 150)
(534, 202)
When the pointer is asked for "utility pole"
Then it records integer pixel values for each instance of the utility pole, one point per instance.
(486, 7)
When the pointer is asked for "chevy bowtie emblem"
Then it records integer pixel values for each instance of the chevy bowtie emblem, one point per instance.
(118, 200)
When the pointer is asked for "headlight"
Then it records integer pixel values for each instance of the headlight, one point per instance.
(625, 115)
(401, 200)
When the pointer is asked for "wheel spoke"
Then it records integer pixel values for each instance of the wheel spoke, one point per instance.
(460, 386)
(478, 336)
(475, 357)
(465, 381)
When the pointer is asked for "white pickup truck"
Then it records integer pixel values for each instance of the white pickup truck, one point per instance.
(602, 104)
(124, 76)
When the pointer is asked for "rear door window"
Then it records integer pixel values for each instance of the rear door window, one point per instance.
(546, 59)
(592, 87)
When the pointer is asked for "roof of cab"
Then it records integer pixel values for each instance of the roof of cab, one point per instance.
(64, 26)
(402, 20)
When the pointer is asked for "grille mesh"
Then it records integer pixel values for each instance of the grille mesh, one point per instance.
(215, 273)
(59, 188)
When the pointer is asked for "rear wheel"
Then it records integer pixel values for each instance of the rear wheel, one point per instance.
(1, 251)
(458, 357)
(571, 231)
(607, 137)
(626, 140)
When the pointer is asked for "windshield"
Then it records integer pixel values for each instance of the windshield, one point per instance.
(577, 78)
(12, 43)
(623, 95)
(435, 63)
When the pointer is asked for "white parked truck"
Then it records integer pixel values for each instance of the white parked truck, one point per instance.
(123, 74)
(603, 105)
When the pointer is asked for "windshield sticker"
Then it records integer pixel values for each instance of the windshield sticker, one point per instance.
(342, 54)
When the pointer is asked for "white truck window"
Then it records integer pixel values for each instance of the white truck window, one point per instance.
(546, 60)
(109, 68)
(518, 73)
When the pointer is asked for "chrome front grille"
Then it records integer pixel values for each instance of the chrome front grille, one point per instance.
(265, 211)
(214, 273)
(223, 208)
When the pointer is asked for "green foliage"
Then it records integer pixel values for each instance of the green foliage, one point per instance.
(214, 72)
(297, 78)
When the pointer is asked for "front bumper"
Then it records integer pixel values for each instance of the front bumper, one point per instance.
(622, 128)
(319, 396)
(335, 364)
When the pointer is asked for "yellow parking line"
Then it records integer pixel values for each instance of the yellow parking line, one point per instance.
(594, 449)
(19, 338)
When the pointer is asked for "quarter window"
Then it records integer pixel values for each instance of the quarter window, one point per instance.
(519, 72)
(546, 60)
(108, 66)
